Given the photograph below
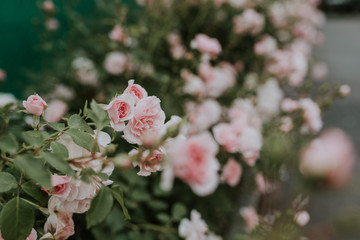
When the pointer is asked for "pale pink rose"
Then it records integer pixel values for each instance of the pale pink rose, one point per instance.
(115, 62)
(85, 71)
(250, 216)
(148, 118)
(149, 163)
(2, 75)
(206, 45)
(278, 15)
(250, 143)
(194, 161)
(302, 218)
(312, 115)
(280, 63)
(137, 91)
(55, 111)
(35, 105)
(286, 124)
(121, 109)
(298, 70)
(260, 183)
(226, 136)
(265, 46)
(242, 114)
(32, 236)
(59, 226)
(61, 186)
(269, 97)
(204, 115)
(52, 24)
(193, 84)
(48, 5)
(231, 173)
(117, 34)
(177, 48)
(194, 228)
(249, 21)
(331, 156)
(63, 92)
(289, 105)
(345, 90)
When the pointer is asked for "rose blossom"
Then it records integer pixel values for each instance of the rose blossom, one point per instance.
(231, 172)
(193, 229)
(59, 226)
(55, 111)
(48, 5)
(2, 75)
(148, 118)
(250, 143)
(312, 115)
(85, 71)
(302, 218)
(226, 136)
(331, 156)
(194, 161)
(35, 105)
(137, 91)
(61, 186)
(319, 71)
(206, 45)
(265, 46)
(289, 105)
(32, 236)
(269, 98)
(115, 62)
(52, 24)
(120, 110)
(117, 34)
(250, 21)
(204, 115)
(286, 124)
(148, 163)
(250, 216)
(345, 90)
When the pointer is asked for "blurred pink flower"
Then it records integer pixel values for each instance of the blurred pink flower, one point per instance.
(345, 90)
(250, 216)
(117, 34)
(249, 21)
(2, 75)
(302, 218)
(265, 46)
(206, 45)
(231, 173)
(115, 62)
(52, 24)
(48, 5)
(312, 115)
(55, 110)
(193, 229)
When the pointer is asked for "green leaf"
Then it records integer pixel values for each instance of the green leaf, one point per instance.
(100, 207)
(7, 182)
(60, 149)
(163, 217)
(34, 191)
(8, 144)
(157, 205)
(57, 126)
(57, 162)
(82, 139)
(178, 211)
(16, 220)
(34, 169)
(76, 122)
(35, 138)
(98, 115)
(119, 196)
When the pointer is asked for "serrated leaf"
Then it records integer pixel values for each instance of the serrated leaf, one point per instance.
(76, 122)
(58, 163)
(16, 220)
(8, 144)
(7, 182)
(60, 149)
(100, 207)
(34, 191)
(82, 139)
(178, 211)
(119, 196)
(57, 126)
(34, 169)
(35, 138)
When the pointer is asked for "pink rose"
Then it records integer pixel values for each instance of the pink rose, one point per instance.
(120, 110)
(231, 172)
(226, 136)
(136, 91)
(55, 111)
(61, 186)
(194, 228)
(117, 34)
(2, 75)
(149, 163)
(48, 5)
(204, 115)
(59, 226)
(250, 143)
(331, 156)
(32, 236)
(52, 24)
(35, 105)
(148, 118)
(265, 46)
(194, 161)
(302, 218)
(250, 21)
(286, 124)
(345, 90)
(312, 115)
(115, 63)
(288, 105)
(250, 216)
(206, 45)
(319, 71)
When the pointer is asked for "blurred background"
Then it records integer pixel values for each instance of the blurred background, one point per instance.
(334, 214)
